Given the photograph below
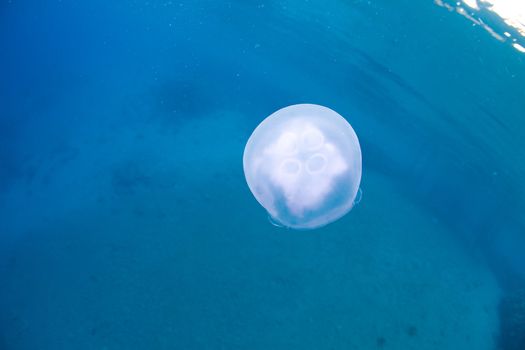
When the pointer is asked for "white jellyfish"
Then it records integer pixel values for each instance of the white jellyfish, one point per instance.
(303, 165)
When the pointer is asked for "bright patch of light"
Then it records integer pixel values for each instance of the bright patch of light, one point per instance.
(511, 12)
(472, 4)
(519, 47)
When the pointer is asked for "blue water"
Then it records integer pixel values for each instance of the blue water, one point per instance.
(126, 222)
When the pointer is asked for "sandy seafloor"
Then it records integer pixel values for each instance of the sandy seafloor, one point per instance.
(126, 222)
(178, 255)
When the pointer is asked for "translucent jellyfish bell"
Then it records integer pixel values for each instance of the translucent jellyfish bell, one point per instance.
(303, 165)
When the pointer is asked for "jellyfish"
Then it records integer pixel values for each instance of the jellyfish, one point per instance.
(303, 165)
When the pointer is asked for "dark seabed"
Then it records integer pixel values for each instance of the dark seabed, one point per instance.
(126, 221)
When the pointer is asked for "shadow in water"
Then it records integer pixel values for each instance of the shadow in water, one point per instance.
(129, 177)
(10, 168)
(512, 319)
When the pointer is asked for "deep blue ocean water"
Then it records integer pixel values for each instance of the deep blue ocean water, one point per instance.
(126, 222)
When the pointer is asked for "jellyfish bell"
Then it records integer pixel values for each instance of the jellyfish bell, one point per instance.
(303, 165)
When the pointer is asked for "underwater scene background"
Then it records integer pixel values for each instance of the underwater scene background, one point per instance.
(126, 221)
